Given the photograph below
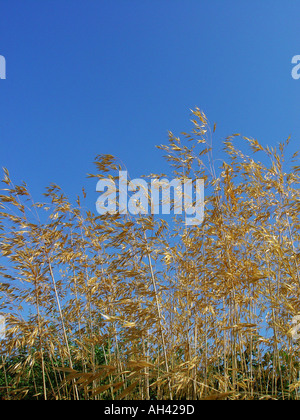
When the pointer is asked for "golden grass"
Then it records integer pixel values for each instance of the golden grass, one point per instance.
(136, 308)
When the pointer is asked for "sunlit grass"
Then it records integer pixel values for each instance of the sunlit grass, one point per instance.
(117, 306)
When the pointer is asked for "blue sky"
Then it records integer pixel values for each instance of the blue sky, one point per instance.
(86, 77)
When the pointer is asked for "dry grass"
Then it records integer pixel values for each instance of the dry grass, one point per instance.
(136, 308)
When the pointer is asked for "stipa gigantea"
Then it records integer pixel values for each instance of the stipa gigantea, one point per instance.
(116, 306)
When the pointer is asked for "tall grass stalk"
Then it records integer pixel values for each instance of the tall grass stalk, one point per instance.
(96, 308)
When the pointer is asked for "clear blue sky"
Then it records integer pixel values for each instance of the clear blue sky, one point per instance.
(86, 77)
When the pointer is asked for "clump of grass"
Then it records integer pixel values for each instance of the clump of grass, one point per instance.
(114, 306)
